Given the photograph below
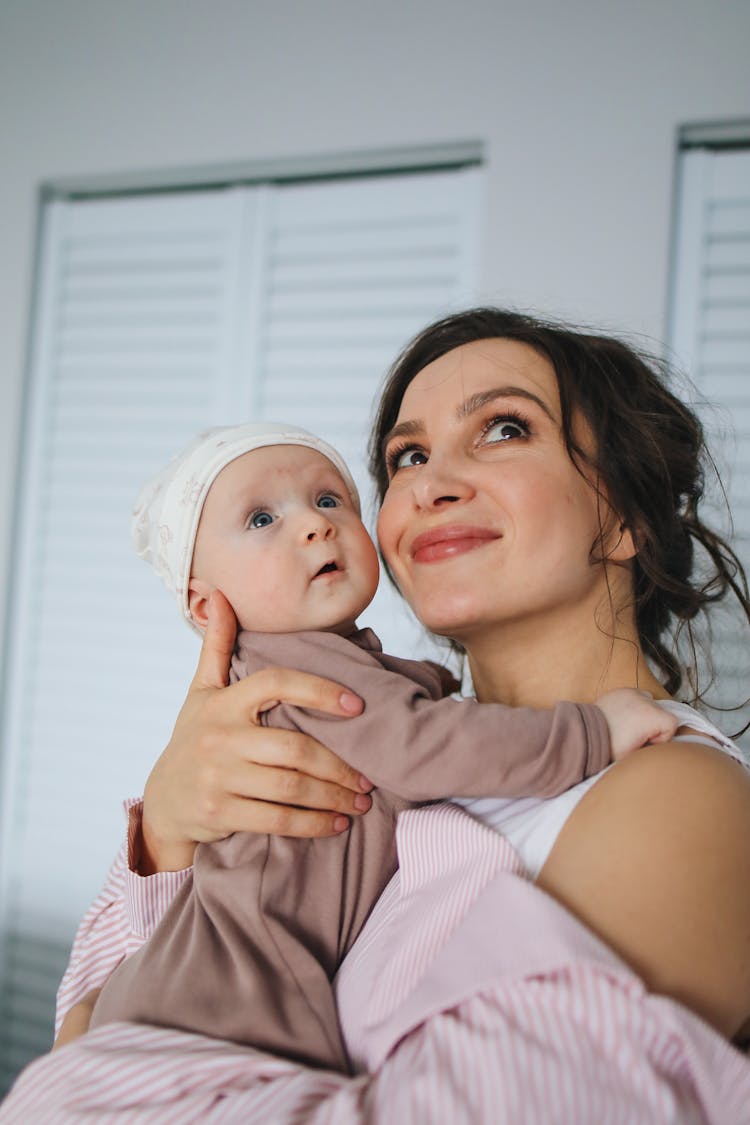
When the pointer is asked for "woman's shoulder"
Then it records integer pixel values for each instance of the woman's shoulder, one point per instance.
(696, 727)
(698, 755)
(687, 769)
(656, 860)
(697, 785)
(701, 779)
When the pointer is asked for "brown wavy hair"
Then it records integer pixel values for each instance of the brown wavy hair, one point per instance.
(650, 458)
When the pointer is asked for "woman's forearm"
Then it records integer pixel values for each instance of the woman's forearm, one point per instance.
(100, 942)
(76, 1020)
(119, 920)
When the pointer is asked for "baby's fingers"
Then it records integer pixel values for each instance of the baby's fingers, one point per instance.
(665, 727)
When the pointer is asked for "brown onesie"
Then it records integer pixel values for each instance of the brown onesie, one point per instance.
(250, 944)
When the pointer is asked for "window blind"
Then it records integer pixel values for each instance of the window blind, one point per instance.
(710, 336)
(158, 315)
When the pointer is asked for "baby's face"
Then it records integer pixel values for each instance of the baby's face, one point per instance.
(280, 537)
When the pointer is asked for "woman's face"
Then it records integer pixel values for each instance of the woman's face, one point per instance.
(486, 520)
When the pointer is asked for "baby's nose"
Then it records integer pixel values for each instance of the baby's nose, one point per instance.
(321, 528)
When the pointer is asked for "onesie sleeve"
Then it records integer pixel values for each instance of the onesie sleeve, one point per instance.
(423, 748)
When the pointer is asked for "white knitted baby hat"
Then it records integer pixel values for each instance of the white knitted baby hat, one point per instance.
(168, 508)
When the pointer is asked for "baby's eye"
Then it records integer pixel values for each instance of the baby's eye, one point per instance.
(406, 458)
(329, 500)
(260, 519)
(505, 429)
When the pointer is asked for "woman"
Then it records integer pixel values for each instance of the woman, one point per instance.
(540, 493)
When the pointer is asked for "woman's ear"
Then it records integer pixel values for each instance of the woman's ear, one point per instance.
(622, 542)
(198, 595)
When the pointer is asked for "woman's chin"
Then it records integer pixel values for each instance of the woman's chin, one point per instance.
(453, 622)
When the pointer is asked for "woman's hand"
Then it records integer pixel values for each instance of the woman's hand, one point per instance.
(222, 773)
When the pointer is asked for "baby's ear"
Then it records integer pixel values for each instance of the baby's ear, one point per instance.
(198, 595)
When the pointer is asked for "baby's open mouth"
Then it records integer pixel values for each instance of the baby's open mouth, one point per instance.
(329, 568)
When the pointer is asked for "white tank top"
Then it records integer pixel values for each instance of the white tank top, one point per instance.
(532, 824)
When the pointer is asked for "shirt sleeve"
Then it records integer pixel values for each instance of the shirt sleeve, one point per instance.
(122, 916)
(422, 748)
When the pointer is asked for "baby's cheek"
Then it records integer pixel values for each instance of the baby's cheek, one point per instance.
(261, 595)
(370, 564)
(273, 589)
(386, 529)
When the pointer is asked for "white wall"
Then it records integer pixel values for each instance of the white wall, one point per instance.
(576, 102)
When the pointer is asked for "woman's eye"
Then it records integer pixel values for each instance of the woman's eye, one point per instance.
(260, 519)
(406, 459)
(505, 429)
(329, 500)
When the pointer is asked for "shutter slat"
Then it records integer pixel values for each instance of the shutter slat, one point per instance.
(727, 285)
(730, 217)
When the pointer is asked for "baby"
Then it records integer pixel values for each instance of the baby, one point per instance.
(247, 950)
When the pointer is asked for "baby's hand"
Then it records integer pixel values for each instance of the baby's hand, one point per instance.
(634, 720)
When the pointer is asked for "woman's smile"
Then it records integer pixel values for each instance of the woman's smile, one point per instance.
(446, 542)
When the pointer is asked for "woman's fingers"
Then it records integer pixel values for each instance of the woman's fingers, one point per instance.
(218, 643)
(291, 750)
(291, 787)
(284, 820)
(264, 689)
(284, 768)
(212, 772)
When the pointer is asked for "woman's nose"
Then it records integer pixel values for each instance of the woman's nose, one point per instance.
(440, 482)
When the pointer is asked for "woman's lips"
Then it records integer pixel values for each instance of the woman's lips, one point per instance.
(446, 542)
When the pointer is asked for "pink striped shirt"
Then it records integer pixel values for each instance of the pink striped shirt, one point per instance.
(453, 1013)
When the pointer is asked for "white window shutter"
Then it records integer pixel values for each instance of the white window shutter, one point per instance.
(157, 316)
(710, 336)
(134, 351)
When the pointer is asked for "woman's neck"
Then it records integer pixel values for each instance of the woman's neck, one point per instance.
(520, 665)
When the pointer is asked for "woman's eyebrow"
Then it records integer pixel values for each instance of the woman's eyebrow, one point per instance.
(482, 398)
(404, 429)
(414, 427)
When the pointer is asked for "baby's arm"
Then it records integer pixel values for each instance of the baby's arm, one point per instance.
(415, 744)
(633, 719)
